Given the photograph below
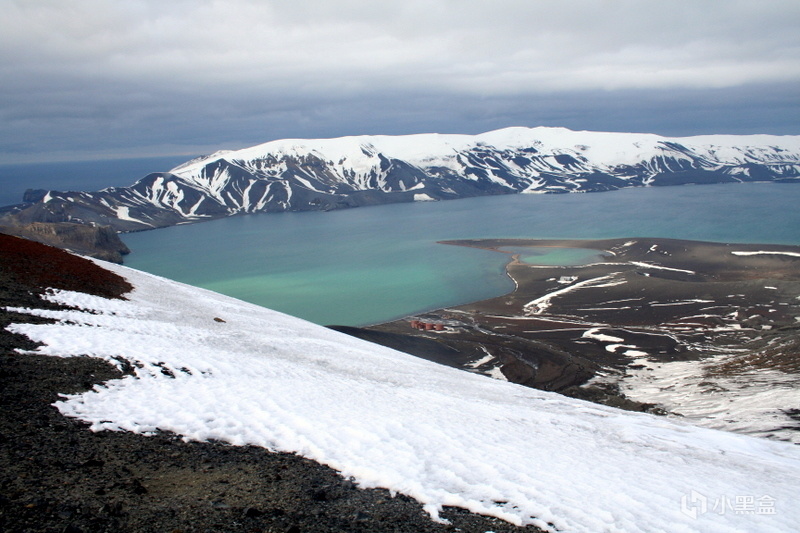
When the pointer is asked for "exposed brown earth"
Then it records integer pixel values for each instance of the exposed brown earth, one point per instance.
(34, 267)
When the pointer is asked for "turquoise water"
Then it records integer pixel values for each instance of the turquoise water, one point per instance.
(543, 255)
(369, 265)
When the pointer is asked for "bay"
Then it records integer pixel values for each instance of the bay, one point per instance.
(369, 265)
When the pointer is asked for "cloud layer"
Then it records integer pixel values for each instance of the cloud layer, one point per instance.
(143, 76)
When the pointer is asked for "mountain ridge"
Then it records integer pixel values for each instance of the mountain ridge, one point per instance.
(326, 174)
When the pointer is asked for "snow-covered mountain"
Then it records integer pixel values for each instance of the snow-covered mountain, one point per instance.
(324, 174)
(206, 366)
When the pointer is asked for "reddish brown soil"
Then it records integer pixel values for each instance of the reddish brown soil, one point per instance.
(44, 266)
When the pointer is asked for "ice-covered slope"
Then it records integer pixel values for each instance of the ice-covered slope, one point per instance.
(324, 174)
(211, 367)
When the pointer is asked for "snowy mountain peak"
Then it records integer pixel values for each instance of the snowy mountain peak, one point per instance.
(603, 149)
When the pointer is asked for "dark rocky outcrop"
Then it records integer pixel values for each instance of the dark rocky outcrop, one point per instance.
(100, 242)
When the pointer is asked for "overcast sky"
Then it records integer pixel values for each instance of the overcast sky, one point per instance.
(85, 79)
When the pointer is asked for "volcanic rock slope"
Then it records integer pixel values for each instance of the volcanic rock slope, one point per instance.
(298, 175)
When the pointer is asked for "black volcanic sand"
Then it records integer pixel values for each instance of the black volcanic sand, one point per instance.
(57, 476)
(701, 302)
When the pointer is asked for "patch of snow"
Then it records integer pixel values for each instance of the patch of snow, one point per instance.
(659, 267)
(124, 214)
(539, 305)
(496, 373)
(790, 254)
(605, 308)
(423, 197)
(593, 334)
(306, 183)
(754, 401)
(193, 209)
(684, 302)
(483, 360)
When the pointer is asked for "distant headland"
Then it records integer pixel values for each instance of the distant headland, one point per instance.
(328, 174)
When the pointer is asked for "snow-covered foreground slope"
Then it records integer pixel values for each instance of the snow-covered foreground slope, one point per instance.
(211, 367)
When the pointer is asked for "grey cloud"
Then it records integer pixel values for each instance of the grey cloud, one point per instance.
(172, 123)
(467, 46)
(144, 76)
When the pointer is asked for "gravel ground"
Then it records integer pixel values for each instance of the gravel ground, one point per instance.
(57, 476)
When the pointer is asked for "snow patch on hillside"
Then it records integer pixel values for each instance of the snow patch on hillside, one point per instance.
(756, 401)
(790, 254)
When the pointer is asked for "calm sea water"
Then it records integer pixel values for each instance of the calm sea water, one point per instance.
(369, 265)
(78, 175)
(542, 255)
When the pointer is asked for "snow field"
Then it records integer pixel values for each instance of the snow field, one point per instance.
(440, 435)
(755, 402)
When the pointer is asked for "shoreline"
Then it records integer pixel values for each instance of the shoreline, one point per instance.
(608, 332)
(58, 475)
